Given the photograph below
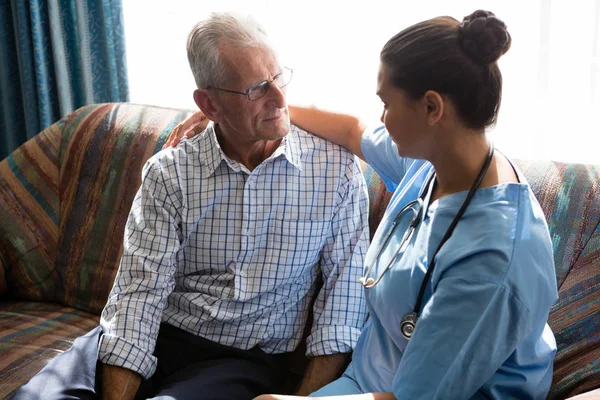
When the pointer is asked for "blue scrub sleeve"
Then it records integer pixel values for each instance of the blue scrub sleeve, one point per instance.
(381, 153)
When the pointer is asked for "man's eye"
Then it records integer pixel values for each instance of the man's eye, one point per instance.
(260, 86)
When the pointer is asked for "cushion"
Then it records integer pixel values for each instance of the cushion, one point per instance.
(31, 334)
(575, 321)
(65, 196)
(379, 197)
(103, 150)
(569, 195)
(29, 222)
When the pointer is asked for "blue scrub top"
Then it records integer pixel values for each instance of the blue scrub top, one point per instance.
(482, 332)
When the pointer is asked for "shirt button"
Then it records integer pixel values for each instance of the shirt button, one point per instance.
(250, 183)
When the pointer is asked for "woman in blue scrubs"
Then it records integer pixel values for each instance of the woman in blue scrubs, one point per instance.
(479, 258)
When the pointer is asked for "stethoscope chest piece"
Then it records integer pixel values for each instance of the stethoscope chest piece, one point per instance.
(407, 325)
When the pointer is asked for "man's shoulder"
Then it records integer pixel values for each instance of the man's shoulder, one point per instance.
(187, 151)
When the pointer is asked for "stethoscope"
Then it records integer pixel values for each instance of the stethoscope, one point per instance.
(409, 321)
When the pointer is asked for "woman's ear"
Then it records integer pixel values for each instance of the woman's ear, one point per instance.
(207, 104)
(434, 107)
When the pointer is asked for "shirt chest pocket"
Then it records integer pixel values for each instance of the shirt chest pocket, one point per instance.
(294, 245)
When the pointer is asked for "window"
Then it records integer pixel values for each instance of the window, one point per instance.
(551, 100)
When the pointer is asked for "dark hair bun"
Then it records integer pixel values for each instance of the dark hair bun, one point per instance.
(483, 37)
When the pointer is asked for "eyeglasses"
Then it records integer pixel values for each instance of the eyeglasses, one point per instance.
(260, 89)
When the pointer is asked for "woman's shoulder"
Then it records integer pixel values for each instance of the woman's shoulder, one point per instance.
(504, 239)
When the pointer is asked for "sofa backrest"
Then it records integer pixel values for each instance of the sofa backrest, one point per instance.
(570, 198)
(65, 196)
(29, 216)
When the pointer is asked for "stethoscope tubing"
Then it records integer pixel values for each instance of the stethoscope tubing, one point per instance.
(368, 282)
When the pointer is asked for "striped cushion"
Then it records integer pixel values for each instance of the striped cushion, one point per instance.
(33, 333)
(64, 236)
(570, 197)
(575, 320)
(569, 194)
(29, 209)
(379, 197)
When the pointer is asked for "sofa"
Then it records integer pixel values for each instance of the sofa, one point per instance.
(66, 193)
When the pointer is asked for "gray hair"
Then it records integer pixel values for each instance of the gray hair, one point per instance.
(203, 44)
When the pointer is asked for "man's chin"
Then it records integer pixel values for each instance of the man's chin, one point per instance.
(279, 129)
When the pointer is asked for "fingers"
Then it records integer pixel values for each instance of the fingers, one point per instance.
(189, 128)
(172, 136)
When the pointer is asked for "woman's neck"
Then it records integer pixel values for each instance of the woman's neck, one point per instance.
(460, 162)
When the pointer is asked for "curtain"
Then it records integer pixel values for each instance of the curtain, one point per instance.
(56, 56)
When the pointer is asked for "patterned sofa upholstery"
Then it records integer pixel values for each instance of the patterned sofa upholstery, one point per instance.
(65, 197)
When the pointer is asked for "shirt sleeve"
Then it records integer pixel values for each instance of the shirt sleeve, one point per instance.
(381, 153)
(466, 331)
(131, 318)
(340, 308)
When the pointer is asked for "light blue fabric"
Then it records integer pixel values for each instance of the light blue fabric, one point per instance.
(482, 332)
(345, 385)
(56, 56)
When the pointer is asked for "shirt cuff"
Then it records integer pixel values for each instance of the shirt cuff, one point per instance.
(114, 350)
(334, 339)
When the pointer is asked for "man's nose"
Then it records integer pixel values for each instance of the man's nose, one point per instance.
(276, 95)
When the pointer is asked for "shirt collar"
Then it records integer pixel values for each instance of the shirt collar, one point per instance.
(212, 155)
(290, 146)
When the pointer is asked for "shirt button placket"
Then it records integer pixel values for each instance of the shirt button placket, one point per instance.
(248, 205)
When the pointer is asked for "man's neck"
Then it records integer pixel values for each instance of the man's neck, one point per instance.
(249, 153)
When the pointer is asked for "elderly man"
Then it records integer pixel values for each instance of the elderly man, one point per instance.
(233, 236)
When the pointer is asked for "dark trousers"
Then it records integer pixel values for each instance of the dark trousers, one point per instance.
(189, 367)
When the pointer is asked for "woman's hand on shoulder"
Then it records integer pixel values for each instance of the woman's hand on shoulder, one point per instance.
(190, 127)
(342, 129)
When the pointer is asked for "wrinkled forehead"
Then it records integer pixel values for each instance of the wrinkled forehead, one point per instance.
(249, 65)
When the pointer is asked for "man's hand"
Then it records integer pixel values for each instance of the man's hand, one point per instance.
(320, 371)
(119, 383)
(189, 128)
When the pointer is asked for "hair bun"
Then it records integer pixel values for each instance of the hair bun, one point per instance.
(483, 37)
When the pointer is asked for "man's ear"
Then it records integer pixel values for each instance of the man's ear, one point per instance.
(206, 103)
(434, 107)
